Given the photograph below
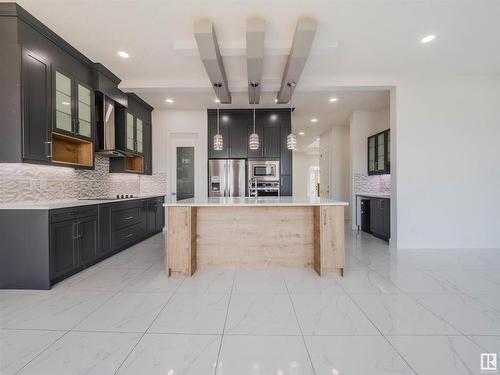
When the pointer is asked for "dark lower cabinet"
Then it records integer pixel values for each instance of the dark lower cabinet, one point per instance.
(63, 249)
(73, 244)
(380, 218)
(156, 215)
(105, 238)
(87, 240)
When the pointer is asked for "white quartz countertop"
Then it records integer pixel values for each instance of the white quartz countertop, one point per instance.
(69, 203)
(374, 195)
(261, 202)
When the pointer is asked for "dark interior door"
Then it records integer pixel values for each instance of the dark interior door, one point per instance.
(185, 172)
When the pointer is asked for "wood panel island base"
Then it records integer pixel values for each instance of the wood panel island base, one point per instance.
(255, 233)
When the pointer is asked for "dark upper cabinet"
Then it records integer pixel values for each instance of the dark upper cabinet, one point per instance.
(73, 106)
(286, 154)
(238, 140)
(63, 248)
(379, 161)
(272, 142)
(36, 102)
(133, 132)
(87, 240)
(380, 218)
(148, 149)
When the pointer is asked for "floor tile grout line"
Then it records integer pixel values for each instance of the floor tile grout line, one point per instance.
(81, 320)
(147, 329)
(224, 326)
(421, 305)
(374, 325)
(298, 323)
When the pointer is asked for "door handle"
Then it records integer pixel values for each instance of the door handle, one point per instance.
(49, 143)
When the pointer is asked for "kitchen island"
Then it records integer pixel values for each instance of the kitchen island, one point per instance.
(266, 232)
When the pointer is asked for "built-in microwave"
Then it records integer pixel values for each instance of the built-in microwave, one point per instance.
(264, 170)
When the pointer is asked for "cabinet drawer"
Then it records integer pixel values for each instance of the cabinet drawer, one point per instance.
(126, 236)
(125, 218)
(72, 213)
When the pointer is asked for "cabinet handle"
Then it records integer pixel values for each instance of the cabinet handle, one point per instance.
(80, 233)
(49, 143)
(130, 235)
(128, 218)
(74, 230)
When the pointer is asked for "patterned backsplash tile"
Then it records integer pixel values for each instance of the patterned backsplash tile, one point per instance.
(40, 183)
(372, 184)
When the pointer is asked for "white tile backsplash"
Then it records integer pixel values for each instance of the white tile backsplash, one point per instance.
(41, 183)
(378, 184)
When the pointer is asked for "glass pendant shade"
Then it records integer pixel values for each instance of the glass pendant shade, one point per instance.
(291, 142)
(218, 142)
(253, 141)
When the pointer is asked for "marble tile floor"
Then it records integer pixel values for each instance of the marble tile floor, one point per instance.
(395, 312)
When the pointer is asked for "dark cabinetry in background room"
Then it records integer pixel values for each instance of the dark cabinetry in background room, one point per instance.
(379, 161)
(380, 218)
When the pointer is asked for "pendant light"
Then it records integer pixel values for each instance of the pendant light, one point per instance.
(291, 139)
(218, 140)
(253, 141)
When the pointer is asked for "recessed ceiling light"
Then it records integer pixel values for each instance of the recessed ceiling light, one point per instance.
(301, 133)
(216, 100)
(168, 100)
(276, 100)
(273, 117)
(333, 99)
(123, 54)
(314, 119)
(427, 39)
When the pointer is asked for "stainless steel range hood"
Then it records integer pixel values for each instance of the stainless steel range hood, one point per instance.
(106, 141)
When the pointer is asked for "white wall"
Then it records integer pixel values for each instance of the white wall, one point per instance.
(302, 161)
(448, 162)
(337, 138)
(169, 124)
(362, 125)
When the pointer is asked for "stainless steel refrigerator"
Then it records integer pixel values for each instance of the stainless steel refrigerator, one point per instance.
(226, 178)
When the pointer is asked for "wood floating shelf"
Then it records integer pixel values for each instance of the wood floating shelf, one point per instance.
(134, 164)
(72, 151)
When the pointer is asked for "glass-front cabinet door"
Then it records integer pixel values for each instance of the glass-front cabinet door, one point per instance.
(84, 111)
(139, 136)
(381, 152)
(130, 132)
(64, 100)
(371, 154)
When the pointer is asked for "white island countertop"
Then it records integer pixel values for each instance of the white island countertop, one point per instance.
(261, 202)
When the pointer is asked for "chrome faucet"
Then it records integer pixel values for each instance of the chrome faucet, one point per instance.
(254, 190)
